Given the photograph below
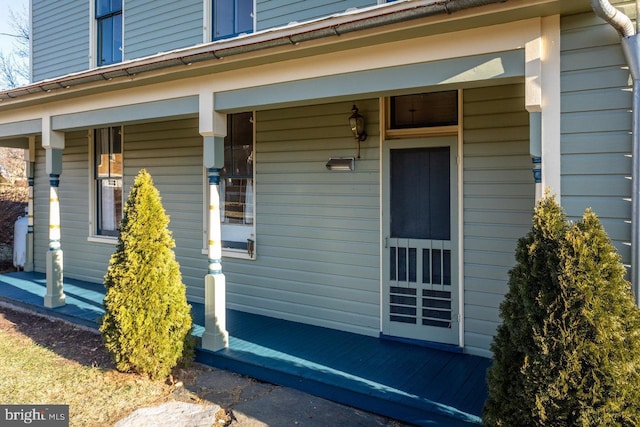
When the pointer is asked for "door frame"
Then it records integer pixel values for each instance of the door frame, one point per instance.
(456, 229)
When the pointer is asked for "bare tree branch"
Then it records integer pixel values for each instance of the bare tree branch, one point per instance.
(14, 66)
(20, 26)
(12, 72)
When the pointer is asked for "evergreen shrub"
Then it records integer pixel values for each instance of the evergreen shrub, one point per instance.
(568, 350)
(147, 322)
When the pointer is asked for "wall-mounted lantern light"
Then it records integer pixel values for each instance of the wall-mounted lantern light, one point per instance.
(356, 121)
(341, 163)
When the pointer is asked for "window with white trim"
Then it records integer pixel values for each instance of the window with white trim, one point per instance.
(109, 31)
(237, 189)
(108, 168)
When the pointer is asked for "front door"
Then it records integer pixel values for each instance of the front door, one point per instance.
(420, 258)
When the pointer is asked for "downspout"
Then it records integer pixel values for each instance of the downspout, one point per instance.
(631, 47)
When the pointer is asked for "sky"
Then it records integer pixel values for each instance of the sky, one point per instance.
(6, 42)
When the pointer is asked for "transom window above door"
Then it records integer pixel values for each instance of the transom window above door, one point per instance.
(430, 113)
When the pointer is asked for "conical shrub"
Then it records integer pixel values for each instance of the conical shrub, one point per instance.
(147, 319)
(568, 351)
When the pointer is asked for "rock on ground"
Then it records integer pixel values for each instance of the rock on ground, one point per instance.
(172, 414)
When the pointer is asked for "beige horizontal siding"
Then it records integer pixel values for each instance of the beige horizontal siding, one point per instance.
(596, 124)
(317, 231)
(498, 203)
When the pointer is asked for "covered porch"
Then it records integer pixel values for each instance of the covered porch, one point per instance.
(414, 384)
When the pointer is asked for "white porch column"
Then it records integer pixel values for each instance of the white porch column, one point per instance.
(53, 142)
(30, 158)
(542, 99)
(213, 128)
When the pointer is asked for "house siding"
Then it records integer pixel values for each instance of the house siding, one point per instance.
(596, 122)
(61, 29)
(60, 37)
(82, 260)
(153, 26)
(172, 153)
(317, 231)
(498, 203)
(276, 13)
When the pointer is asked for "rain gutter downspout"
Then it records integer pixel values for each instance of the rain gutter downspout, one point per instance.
(313, 30)
(631, 48)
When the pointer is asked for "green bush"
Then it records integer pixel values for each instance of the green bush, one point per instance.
(147, 320)
(568, 350)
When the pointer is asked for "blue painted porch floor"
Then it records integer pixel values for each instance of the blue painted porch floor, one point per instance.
(410, 383)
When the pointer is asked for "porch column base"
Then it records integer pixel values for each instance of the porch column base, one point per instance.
(215, 336)
(55, 295)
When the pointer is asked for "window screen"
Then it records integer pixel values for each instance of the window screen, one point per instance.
(420, 193)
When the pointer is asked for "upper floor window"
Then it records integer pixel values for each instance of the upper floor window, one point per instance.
(231, 18)
(109, 25)
(108, 180)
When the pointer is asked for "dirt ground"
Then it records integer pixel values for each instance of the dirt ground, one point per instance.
(86, 349)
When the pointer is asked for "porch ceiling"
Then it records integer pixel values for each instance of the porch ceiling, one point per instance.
(279, 45)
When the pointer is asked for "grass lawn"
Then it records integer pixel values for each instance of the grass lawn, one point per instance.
(47, 362)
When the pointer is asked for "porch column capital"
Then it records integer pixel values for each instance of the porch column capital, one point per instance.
(51, 138)
(211, 122)
(213, 128)
(53, 159)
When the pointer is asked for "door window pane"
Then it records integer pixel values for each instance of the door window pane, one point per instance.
(420, 196)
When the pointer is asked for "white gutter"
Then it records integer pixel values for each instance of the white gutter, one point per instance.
(332, 26)
(631, 47)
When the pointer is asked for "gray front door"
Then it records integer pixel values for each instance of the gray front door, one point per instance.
(420, 281)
